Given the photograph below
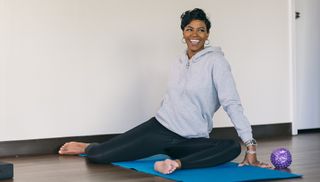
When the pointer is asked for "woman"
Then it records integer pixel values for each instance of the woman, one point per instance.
(200, 82)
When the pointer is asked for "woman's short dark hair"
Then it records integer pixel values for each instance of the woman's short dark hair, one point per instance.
(195, 14)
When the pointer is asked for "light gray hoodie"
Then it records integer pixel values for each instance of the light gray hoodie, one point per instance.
(196, 89)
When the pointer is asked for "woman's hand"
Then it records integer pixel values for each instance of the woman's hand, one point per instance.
(251, 159)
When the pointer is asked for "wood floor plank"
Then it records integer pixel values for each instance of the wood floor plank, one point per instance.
(305, 149)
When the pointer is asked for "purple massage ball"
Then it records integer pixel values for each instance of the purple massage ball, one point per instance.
(281, 158)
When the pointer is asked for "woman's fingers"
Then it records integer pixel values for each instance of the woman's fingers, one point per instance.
(257, 163)
(243, 163)
(265, 165)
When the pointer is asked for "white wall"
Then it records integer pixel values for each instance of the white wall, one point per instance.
(71, 68)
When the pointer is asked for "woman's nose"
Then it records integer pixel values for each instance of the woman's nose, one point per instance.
(194, 33)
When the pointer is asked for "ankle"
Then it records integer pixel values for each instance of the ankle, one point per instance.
(179, 163)
(85, 146)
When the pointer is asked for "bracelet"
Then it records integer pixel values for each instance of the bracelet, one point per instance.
(251, 142)
(251, 152)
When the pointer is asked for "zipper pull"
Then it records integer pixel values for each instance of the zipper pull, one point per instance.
(188, 65)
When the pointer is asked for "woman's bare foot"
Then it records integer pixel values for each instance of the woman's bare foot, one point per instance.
(167, 166)
(73, 148)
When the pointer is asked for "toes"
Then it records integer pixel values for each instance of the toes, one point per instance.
(172, 165)
(61, 150)
(64, 148)
(171, 170)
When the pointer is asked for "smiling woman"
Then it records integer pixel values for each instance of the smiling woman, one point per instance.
(201, 81)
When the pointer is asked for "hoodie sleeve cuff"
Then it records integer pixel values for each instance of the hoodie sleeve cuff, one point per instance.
(246, 137)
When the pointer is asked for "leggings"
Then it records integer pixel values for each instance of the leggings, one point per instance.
(151, 138)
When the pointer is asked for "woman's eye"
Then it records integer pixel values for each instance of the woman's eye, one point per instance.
(202, 30)
(188, 29)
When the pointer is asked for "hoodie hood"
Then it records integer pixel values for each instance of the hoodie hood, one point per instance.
(206, 50)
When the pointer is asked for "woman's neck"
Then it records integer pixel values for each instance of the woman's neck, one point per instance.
(191, 53)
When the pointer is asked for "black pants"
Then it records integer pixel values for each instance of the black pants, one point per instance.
(152, 138)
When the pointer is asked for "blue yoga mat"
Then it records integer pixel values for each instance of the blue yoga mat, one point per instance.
(226, 172)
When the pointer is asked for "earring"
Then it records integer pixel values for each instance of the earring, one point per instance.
(183, 40)
(207, 42)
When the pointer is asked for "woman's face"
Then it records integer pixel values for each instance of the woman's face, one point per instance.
(195, 34)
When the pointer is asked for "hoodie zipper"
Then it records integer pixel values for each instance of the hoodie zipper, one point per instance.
(188, 65)
(186, 76)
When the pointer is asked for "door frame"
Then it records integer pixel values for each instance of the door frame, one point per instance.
(293, 67)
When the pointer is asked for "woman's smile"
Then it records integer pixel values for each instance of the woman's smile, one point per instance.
(194, 41)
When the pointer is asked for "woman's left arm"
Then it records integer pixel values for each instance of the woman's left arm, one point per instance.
(230, 101)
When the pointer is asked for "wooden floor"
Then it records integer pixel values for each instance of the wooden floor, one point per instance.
(305, 149)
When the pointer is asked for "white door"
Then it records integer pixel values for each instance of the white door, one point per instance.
(308, 64)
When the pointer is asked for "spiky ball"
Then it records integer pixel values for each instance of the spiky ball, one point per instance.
(281, 158)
